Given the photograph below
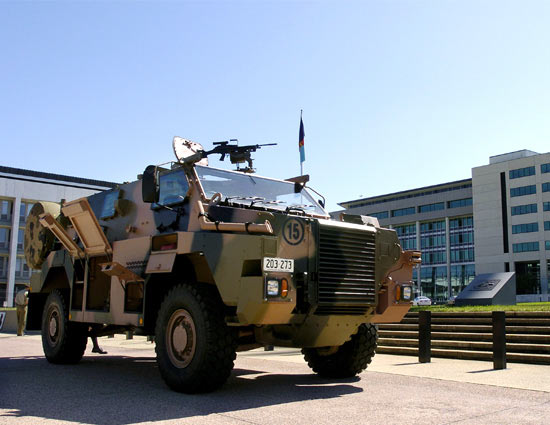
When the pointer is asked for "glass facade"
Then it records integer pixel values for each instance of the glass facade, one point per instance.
(403, 211)
(525, 209)
(431, 207)
(5, 210)
(522, 172)
(432, 242)
(461, 276)
(525, 228)
(3, 267)
(407, 236)
(433, 281)
(381, 214)
(525, 246)
(523, 190)
(459, 203)
(4, 238)
(24, 211)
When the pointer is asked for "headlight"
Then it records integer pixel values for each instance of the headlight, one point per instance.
(272, 288)
(407, 293)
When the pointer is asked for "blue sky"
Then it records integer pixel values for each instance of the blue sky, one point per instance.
(395, 94)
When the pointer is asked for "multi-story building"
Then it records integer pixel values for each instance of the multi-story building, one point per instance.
(499, 220)
(19, 190)
(512, 219)
(437, 220)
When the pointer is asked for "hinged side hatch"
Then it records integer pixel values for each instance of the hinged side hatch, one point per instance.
(87, 227)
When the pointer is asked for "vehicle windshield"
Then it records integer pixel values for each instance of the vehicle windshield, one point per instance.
(249, 190)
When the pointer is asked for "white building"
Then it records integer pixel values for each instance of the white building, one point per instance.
(19, 190)
(512, 219)
(497, 221)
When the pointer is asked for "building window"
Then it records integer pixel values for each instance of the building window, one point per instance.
(522, 172)
(431, 207)
(403, 211)
(20, 239)
(434, 241)
(408, 229)
(525, 209)
(461, 238)
(546, 206)
(461, 276)
(381, 214)
(407, 236)
(24, 211)
(546, 187)
(525, 228)
(525, 247)
(434, 282)
(547, 225)
(433, 226)
(545, 168)
(547, 245)
(5, 210)
(459, 203)
(523, 190)
(461, 222)
(3, 267)
(21, 268)
(462, 255)
(4, 237)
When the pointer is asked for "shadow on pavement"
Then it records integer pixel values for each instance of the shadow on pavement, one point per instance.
(123, 390)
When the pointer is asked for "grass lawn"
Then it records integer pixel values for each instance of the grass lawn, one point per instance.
(519, 307)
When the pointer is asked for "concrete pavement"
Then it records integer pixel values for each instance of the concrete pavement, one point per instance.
(265, 388)
(516, 375)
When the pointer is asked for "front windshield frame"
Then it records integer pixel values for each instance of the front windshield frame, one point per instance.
(259, 200)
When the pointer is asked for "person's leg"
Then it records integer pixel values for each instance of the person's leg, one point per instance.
(96, 348)
(20, 320)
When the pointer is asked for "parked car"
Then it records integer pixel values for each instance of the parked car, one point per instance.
(422, 300)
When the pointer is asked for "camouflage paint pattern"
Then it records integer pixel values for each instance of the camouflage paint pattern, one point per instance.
(165, 246)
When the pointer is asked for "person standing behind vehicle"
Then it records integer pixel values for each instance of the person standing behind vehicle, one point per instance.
(21, 301)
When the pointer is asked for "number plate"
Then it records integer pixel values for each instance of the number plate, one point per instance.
(278, 265)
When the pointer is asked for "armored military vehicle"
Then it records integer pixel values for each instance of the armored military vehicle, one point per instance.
(211, 262)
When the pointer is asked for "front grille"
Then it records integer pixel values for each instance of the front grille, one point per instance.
(346, 283)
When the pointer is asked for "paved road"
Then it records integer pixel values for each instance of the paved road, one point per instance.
(124, 387)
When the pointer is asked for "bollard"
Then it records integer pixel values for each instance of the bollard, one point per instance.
(499, 340)
(424, 336)
(129, 335)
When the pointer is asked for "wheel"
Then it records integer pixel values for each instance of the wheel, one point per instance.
(63, 342)
(346, 360)
(195, 348)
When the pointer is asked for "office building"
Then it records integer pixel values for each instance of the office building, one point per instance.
(499, 220)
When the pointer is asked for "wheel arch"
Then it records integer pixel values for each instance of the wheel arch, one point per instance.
(56, 278)
(191, 268)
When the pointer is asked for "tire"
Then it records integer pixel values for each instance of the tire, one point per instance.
(63, 342)
(195, 348)
(350, 359)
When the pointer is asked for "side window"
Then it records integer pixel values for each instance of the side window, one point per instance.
(173, 188)
(108, 210)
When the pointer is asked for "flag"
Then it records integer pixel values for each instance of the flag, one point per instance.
(301, 141)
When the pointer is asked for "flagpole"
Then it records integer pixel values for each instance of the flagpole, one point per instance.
(301, 163)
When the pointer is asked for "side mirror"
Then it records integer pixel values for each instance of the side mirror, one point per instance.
(149, 185)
